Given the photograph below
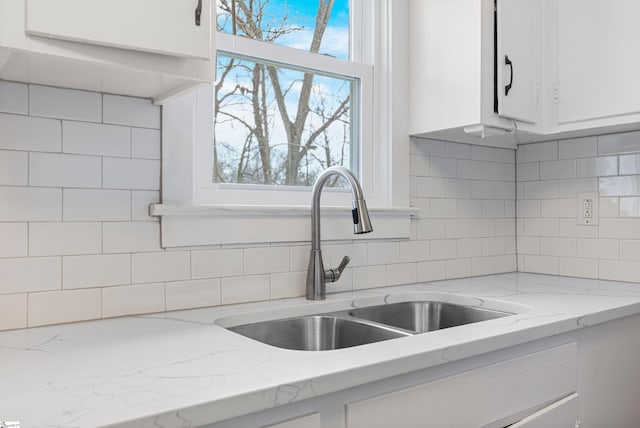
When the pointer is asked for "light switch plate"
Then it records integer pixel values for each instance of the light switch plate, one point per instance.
(588, 209)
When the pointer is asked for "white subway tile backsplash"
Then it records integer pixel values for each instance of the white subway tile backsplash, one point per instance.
(597, 248)
(528, 245)
(630, 207)
(217, 263)
(145, 143)
(539, 152)
(414, 251)
(30, 133)
(13, 307)
(137, 174)
(96, 270)
(541, 264)
(288, 284)
(197, 293)
(551, 170)
(132, 299)
(457, 150)
(558, 208)
(430, 187)
(470, 169)
(30, 204)
(566, 247)
(14, 98)
(629, 164)
(369, 277)
(619, 270)
(619, 186)
(609, 207)
(484, 190)
(483, 266)
(383, 253)
(540, 189)
(14, 240)
(482, 153)
(245, 289)
(443, 167)
(14, 168)
(61, 103)
(135, 237)
(541, 227)
(432, 271)
(55, 307)
(402, 273)
(507, 156)
(427, 147)
(528, 171)
(456, 188)
(614, 144)
(59, 170)
(96, 139)
(109, 172)
(25, 275)
(458, 268)
(583, 268)
(457, 228)
(266, 260)
(571, 188)
(569, 227)
(160, 266)
(96, 205)
(68, 238)
(469, 247)
(597, 167)
(443, 249)
(528, 208)
(630, 250)
(130, 111)
(578, 148)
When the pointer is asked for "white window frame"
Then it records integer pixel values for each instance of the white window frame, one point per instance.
(196, 212)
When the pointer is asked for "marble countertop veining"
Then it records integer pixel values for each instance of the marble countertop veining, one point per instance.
(163, 370)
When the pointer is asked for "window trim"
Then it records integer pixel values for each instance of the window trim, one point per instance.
(186, 221)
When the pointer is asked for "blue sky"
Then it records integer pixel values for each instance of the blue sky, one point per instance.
(303, 13)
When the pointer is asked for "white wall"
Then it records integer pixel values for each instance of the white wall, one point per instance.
(549, 177)
(78, 170)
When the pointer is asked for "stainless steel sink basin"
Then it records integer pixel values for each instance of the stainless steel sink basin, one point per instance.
(316, 333)
(347, 328)
(420, 317)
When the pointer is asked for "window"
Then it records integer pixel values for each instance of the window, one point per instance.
(290, 99)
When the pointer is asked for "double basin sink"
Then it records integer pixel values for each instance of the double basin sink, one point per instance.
(344, 329)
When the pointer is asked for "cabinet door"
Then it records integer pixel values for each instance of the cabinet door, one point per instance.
(475, 398)
(157, 26)
(598, 59)
(561, 414)
(518, 58)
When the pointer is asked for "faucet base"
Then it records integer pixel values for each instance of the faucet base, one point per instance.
(316, 284)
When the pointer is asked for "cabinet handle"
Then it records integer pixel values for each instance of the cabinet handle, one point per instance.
(508, 62)
(198, 12)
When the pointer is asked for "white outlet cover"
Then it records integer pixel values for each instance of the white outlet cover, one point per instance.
(583, 220)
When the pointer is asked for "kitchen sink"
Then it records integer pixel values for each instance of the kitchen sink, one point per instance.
(316, 333)
(347, 328)
(421, 317)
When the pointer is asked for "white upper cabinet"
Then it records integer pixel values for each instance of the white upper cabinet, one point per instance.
(146, 48)
(458, 79)
(598, 63)
(179, 28)
(518, 59)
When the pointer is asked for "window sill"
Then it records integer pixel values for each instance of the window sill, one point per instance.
(196, 225)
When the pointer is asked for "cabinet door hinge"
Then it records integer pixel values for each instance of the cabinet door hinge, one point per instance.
(557, 92)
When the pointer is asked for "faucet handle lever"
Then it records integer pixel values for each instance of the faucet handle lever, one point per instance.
(332, 275)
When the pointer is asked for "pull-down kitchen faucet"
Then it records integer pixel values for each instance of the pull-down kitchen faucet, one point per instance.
(317, 277)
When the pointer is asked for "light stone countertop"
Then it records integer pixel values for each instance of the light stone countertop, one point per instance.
(162, 370)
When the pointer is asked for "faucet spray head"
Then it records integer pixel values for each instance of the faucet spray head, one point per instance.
(361, 221)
